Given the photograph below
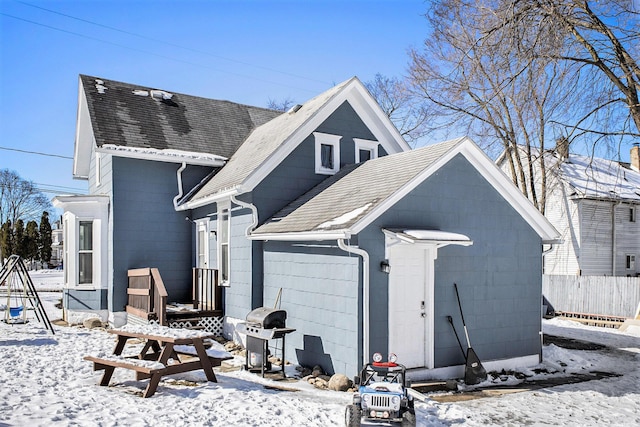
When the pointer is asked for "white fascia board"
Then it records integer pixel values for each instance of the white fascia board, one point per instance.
(366, 107)
(499, 180)
(214, 198)
(303, 236)
(376, 120)
(62, 201)
(84, 138)
(172, 156)
(367, 219)
(490, 172)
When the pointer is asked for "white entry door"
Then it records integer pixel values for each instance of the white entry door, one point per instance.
(411, 304)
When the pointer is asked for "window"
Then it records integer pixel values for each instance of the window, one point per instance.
(365, 150)
(632, 214)
(223, 239)
(85, 252)
(327, 153)
(202, 244)
(631, 262)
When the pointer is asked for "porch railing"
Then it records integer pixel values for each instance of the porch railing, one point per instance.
(146, 295)
(207, 293)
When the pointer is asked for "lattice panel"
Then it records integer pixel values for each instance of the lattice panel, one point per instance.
(209, 324)
(212, 324)
(181, 324)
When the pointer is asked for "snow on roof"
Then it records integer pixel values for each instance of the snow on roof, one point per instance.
(169, 154)
(347, 217)
(600, 178)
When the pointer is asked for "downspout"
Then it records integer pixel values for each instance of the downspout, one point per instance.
(254, 214)
(180, 192)
(257, 298)
(365, 294)
(613, 237)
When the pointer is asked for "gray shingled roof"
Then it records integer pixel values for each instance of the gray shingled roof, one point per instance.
(341, 200)
(184, 122)
(261, 144)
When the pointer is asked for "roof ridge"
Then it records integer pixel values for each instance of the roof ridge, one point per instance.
(139, 86)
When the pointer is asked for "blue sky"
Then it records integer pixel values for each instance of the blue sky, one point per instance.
(246, 51)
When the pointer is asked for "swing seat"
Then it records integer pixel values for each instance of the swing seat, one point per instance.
(15, 311)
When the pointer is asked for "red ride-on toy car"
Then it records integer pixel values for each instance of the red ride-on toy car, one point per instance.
(382, 395)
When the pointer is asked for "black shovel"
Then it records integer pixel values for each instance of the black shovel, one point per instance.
(474, 372)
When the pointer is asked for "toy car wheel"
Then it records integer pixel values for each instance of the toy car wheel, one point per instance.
(352, 416)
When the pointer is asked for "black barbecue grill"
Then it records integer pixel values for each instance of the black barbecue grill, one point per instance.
(263, 324)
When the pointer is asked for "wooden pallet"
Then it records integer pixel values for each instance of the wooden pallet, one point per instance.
(601, 320)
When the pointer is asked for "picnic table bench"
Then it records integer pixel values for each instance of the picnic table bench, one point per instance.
(160, 354)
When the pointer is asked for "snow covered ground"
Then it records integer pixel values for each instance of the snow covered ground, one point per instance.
(45, 381)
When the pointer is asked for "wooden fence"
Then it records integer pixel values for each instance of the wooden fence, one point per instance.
(604, 295)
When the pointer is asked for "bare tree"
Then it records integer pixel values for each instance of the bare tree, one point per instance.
(603, 39)
(479, 81)
(282, 105)
(401, 105)
(520, 75)
(19, 198)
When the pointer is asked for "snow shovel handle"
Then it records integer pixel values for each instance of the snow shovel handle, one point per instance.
(450, 319)
(455, 286)
(464, 325)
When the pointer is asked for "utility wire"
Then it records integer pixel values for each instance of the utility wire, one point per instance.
(168, 43)
(36, 152)
(151, 53)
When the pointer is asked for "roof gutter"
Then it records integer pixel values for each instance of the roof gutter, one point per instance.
(209, 199)
(365, 294)
(302, 236)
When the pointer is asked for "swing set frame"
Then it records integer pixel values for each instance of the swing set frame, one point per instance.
(18, 287)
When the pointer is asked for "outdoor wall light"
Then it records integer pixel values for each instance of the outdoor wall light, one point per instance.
(384, 266)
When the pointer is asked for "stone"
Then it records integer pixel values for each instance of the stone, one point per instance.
(92, 322)
(317, 371)
(320, 383)
(339, 382)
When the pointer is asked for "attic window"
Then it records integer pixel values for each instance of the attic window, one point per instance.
(365, 150)
(327, 153)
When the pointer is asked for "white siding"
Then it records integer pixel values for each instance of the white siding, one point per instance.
(562, 212)
(627, 239)
(597, 237)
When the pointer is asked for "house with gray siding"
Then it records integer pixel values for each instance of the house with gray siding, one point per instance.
(324, 208)
(594, 204)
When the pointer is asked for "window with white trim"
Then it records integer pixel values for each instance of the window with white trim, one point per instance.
(85, 252)
(202, 244)
(224, 232)
(631, 262)
(365, 150)
(327, 153)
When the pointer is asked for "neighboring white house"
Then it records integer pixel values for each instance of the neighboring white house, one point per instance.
(57, 243)
(594, 203)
